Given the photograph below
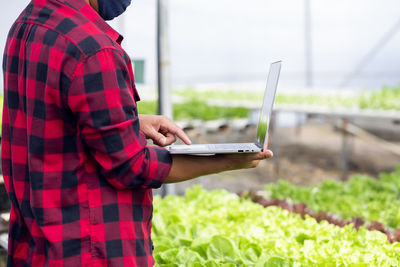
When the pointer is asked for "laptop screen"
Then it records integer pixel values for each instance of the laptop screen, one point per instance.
(269, 96)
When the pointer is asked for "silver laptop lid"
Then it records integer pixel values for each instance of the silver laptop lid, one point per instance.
(269, 96)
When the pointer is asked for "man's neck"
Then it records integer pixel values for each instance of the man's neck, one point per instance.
(94, 4)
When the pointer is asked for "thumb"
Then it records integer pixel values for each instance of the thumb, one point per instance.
(159, 139)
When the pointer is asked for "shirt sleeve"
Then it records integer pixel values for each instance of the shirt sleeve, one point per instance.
(101, 96)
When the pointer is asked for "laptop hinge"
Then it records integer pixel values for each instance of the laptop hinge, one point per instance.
(260, 146)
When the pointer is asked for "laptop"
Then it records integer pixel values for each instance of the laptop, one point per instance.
(262, 128)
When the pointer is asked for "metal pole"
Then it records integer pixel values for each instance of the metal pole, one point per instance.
(163, 71)
(308, 42)
(345, 149)
(164, 85)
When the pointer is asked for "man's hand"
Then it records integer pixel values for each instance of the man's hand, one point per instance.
(245, 160)
(161, 130)
(186, 167)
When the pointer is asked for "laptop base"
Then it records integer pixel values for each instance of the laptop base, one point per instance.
(215, 148)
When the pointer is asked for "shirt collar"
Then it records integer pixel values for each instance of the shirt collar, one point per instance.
(93, 16)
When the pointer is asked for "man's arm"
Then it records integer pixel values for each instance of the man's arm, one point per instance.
(100, 96)
(164, 132)
(186, 167)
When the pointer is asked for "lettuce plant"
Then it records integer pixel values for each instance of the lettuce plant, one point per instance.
(362, 196)
(218, 228)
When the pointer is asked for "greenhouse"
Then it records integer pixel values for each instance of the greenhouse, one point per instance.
(187, 133)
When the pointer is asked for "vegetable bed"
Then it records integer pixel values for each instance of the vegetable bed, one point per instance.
(386, 98)
(218, 228)
(362, 196)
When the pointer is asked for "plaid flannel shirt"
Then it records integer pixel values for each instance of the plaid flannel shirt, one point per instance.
(77, 167)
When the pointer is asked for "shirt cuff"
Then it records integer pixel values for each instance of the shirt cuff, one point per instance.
(160, 165)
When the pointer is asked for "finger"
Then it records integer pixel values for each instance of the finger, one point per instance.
(269, 153)
(266, 142)
(266, 154)
(182, 135)
(176, 130)
(158, 138)
(255, 163)
(261, 155)
(169, 139)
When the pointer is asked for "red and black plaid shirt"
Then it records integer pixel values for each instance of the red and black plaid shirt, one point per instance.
(76, 166)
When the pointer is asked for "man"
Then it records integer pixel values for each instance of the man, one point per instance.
(75, 160)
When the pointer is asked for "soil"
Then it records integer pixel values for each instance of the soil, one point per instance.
(304, 155)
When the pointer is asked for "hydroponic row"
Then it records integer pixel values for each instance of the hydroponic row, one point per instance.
(386, 98)
(196, 104)
(362, 196)
(218, 228)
